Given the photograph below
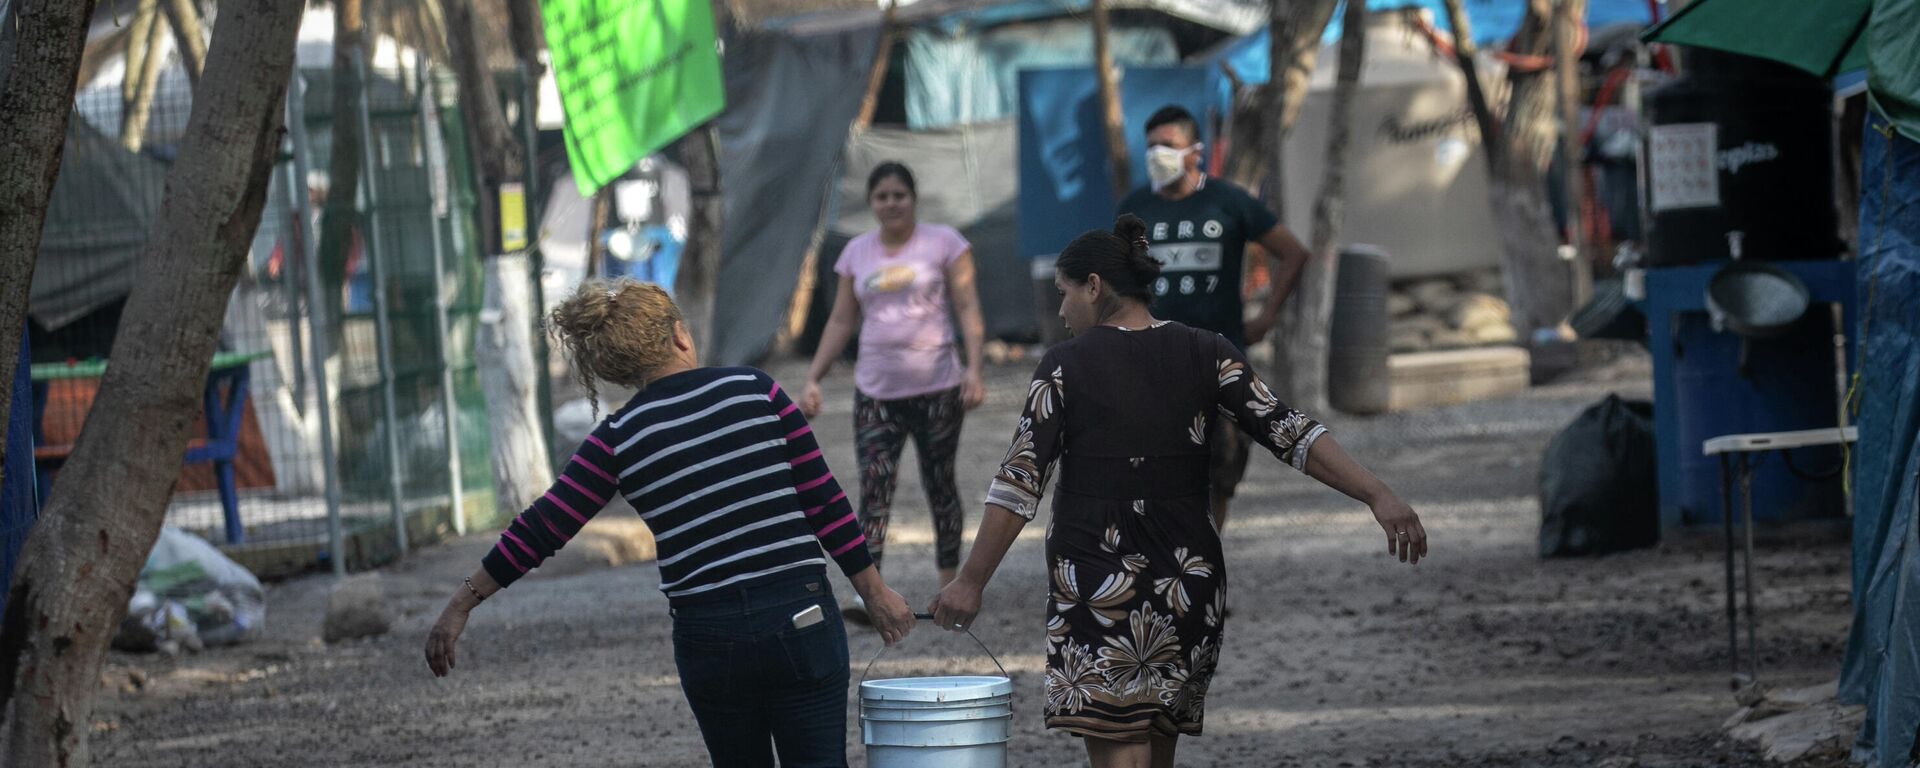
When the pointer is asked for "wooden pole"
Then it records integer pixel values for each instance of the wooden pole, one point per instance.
(142, 82)
(877, 74)
(1110, 103)
(183, 16)
(1566, 64)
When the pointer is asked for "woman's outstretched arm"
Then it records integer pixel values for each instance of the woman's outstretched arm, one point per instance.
(1306, 445)
(1330, 464)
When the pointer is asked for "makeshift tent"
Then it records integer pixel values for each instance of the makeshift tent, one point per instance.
(1066, 184)
(794, 84)
(966, 180)
(789, 102)
(1882, 667)
(973, 77)
(103, 202)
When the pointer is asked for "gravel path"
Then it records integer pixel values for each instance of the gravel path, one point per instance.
(1483, 655)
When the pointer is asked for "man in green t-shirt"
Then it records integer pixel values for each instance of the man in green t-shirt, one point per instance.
(1199, 227)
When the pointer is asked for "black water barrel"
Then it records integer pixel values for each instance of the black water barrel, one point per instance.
(1739, 155)
(1357, 377)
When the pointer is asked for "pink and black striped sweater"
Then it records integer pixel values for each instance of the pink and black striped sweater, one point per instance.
(724, 470)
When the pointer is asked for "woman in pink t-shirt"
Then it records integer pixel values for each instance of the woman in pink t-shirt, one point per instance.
(903, 286)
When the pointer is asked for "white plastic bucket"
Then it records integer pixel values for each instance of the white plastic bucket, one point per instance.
(936, 722)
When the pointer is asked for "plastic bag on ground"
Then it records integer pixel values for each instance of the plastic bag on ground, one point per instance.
(1598, 492)
(190, 595)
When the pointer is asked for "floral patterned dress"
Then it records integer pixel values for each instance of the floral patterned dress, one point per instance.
(1138, 595)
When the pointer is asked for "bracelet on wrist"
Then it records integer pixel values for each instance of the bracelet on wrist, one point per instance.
(477, 597)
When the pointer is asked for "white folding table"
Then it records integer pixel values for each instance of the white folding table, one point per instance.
(1743, 449)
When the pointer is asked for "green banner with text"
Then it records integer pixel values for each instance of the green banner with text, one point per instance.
(633, 76)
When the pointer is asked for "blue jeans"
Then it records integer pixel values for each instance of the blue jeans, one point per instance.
(753, 678)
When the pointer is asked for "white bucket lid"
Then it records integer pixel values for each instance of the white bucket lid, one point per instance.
(936, 689)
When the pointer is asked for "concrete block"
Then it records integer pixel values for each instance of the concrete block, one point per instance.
(1429, 379)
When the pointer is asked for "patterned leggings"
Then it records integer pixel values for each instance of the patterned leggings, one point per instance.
(881, 428)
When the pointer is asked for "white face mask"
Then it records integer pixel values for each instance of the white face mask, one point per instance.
(1165, 165)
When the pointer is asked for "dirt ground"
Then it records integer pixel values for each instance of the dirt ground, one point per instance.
(1482, 655)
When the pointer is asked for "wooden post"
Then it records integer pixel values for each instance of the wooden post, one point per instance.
(877, 74)
(600, 214)
(698, 278)
(183, 16)
(1110, 103)
(141, 82)
(1566, 65)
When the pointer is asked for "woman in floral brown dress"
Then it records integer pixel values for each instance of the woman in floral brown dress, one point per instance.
(1138, 597)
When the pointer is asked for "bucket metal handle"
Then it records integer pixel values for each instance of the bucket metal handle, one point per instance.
(929, 617)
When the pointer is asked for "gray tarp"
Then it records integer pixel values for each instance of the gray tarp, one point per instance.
(967, 180)
(789, 103)
(103, 203)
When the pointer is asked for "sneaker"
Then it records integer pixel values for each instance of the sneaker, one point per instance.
(857, 612)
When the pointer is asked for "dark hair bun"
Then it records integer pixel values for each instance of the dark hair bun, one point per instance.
(1140, 261)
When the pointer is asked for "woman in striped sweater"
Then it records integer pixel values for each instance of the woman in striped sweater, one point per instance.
(744, 512)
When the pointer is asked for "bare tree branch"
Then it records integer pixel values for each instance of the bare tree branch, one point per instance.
(1476, 94)
(1117, 165)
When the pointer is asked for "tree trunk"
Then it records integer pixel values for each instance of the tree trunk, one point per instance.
(33, 129)
(693, 286)
(1519, 150)
(1566, 74)
(141, 81)
(510, 383)
(1117, 165)
(522, 469)
(1539, 285)
(340, 212)
(1304, 334)
(1476, 94)
(525, 34)
(1294, 49)
(85, 554)
(183, 17)
(1264, 116)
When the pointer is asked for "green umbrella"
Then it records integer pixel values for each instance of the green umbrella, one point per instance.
(1824, 37)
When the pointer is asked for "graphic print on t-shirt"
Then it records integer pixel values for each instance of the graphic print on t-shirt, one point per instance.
(907, 339)
(891, 279)
(1199, 241)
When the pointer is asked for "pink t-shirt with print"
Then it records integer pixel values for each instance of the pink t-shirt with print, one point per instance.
(906, 331)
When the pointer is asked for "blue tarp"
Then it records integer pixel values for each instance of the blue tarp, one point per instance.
(1882, 668)
(1064, 187)
(18, 507)
(955, 79)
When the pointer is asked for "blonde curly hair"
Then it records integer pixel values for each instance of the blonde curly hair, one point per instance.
(620, 331)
